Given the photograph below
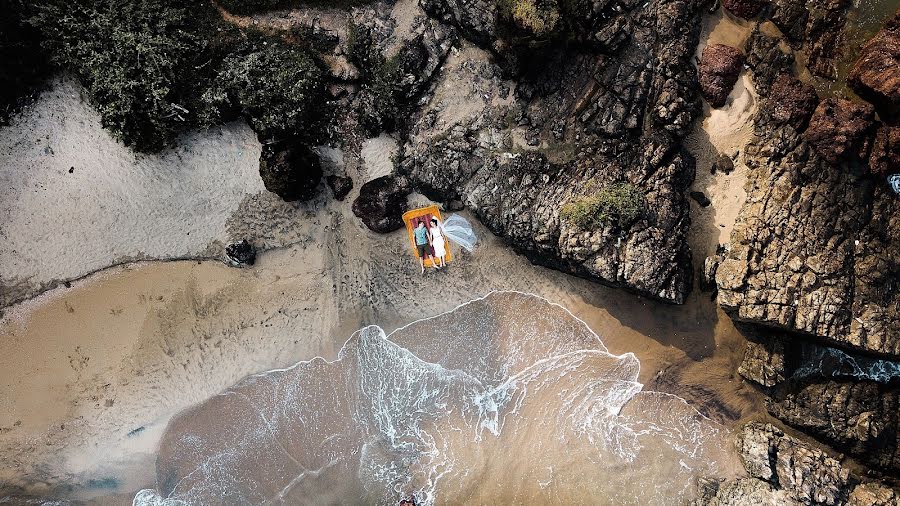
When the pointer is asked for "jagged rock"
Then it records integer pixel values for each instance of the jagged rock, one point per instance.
(381, 203)
(723, 164)
(814, 249)
(720, 66)
(747, 9)
(792, 101)
(824, 34)
(808, 474)
(241, 253)
(885, 156)
(791, 16)
(746, 492)
(708, 280)
(841, 130)
(876, 74)
(476, 18)
(764, 362)
(700, 198)
(580, 119)
(767, 59)
(290, 170)
(860, 417)
(340, 185)
(873, 494)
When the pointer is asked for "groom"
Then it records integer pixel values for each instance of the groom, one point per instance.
(423, 241)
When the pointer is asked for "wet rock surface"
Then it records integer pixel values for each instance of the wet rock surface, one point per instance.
(764, 362)
(876, 74)
(885, 156)
(241, 253)
(720, 66)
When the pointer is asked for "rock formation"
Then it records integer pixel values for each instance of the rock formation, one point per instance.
(719, 69)
(885, 156)
(290, 170)
(876, 74)
(747, 9)
(340, 185)
(515, 140)
(792, 102)
(381, 203)
(841, 130)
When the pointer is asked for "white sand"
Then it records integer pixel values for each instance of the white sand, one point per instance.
(378, 157)
(117, 206)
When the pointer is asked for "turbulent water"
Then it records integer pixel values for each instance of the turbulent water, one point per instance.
(507, 399)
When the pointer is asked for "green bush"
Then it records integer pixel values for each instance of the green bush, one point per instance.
(279, 88)
(618, 204)
(538, 17)
(130, 56)
(247, 7)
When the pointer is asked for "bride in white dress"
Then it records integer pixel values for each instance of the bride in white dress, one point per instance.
(438, 242)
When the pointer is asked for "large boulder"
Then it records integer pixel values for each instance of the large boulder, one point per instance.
(720, 66)
(792, 101)
(290, 170)
(340, 185)
(747, 9)
(876, 74)
(381, 203)
(859, 417)
(768, 59)
(885, 156)
(841, 130)
(807, 473)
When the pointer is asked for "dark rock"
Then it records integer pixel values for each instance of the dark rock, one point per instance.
(876, 74)
(290, 170)
(747, 9)
(860, 417)
(824, 35)
(700, 198)
(240, 254)
(454, 205)
(841, 130)
(340, 185)
(381, 203)
(791, 16)
(767, 59)
(764, 362)
(720, 66)
(792, 101)
(723, 164)
(885, 156)
(814, 249)
(807, 473)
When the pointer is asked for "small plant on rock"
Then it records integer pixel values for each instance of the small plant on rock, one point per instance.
(618, 204)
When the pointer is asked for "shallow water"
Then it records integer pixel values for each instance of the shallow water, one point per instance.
(507, 398)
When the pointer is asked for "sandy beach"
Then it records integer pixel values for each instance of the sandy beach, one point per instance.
(134, 328)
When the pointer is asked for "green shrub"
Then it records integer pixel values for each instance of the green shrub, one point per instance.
(129, 56)
(618, 204)
(538, 17)
(279, 88)
(246, 7)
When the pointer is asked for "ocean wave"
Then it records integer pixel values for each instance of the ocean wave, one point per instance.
(508, 398)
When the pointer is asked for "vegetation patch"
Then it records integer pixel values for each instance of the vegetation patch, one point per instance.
(618, 204)
(278, 88)
(23, 65)
(537, 17)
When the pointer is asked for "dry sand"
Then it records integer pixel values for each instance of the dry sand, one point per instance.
(91, 373)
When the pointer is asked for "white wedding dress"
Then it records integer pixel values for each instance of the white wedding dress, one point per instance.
(438, 242)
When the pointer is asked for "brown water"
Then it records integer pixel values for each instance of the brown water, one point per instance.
(508, 398)
(864, 19)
